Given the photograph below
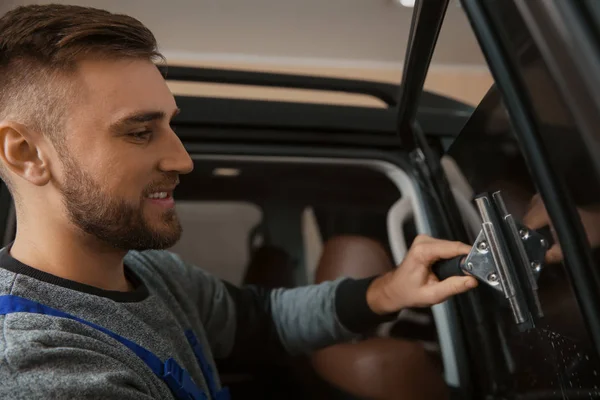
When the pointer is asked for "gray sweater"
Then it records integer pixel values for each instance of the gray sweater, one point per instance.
(49, 357)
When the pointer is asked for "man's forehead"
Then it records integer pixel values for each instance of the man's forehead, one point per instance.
(123, 87)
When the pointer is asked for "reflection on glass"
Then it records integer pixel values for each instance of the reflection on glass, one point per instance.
(536, 217)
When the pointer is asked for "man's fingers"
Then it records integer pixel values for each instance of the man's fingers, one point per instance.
(554, 255)
(535, 199)
(429, 250)
(536, 217)
(432, 278)
(449, 287)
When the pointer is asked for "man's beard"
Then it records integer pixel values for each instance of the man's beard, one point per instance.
(112, 220)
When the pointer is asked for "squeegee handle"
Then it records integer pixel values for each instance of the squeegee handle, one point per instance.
(446, 268)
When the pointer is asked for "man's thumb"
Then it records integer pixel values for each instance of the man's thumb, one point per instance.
(449, 287)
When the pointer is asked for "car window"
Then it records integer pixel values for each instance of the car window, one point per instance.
(458, 72)
(557, 355)
(556, 359)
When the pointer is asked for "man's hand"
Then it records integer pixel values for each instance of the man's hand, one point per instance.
(413, 284)
(537, 217)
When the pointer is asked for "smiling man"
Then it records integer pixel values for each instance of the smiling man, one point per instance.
(91, 305)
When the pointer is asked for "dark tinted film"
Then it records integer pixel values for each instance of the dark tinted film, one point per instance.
(557, 358)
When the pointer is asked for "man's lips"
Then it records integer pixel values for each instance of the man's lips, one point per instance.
(162, 197)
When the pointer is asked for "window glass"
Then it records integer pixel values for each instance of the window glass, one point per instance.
(458, 69)
(556, 359)
(557, 355)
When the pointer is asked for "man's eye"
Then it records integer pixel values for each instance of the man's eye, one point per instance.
(143, 135)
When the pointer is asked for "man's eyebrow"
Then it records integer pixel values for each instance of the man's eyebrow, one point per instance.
(141, 117)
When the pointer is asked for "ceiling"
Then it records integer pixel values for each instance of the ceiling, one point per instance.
(338, 33)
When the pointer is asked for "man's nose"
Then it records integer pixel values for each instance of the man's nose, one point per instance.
(176, 158)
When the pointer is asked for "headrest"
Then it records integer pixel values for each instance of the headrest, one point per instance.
(354, 257)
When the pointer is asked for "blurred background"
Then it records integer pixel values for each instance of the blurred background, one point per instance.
(364, 39)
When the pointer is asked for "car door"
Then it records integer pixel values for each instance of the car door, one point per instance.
(530, 142)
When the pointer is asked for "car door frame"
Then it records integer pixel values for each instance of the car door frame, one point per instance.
(507, 77)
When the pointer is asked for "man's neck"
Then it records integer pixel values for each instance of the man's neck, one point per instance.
(71, 255)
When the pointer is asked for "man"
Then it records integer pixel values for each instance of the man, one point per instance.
(90, 306)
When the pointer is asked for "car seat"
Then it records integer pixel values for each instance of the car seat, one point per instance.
(377, 367)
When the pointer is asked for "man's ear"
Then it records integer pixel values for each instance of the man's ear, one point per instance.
(22, 153)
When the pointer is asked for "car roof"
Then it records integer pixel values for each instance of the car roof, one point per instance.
(203, 118)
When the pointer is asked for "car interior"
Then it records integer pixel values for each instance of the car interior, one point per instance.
(275, 205)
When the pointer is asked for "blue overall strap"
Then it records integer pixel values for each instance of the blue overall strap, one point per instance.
(177, 378)
(207, 371)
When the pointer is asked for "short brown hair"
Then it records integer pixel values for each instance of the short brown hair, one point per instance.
(39, 44)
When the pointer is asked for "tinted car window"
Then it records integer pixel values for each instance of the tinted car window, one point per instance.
(557, 358)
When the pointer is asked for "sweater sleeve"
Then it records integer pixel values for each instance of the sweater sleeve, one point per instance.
(251, 322)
